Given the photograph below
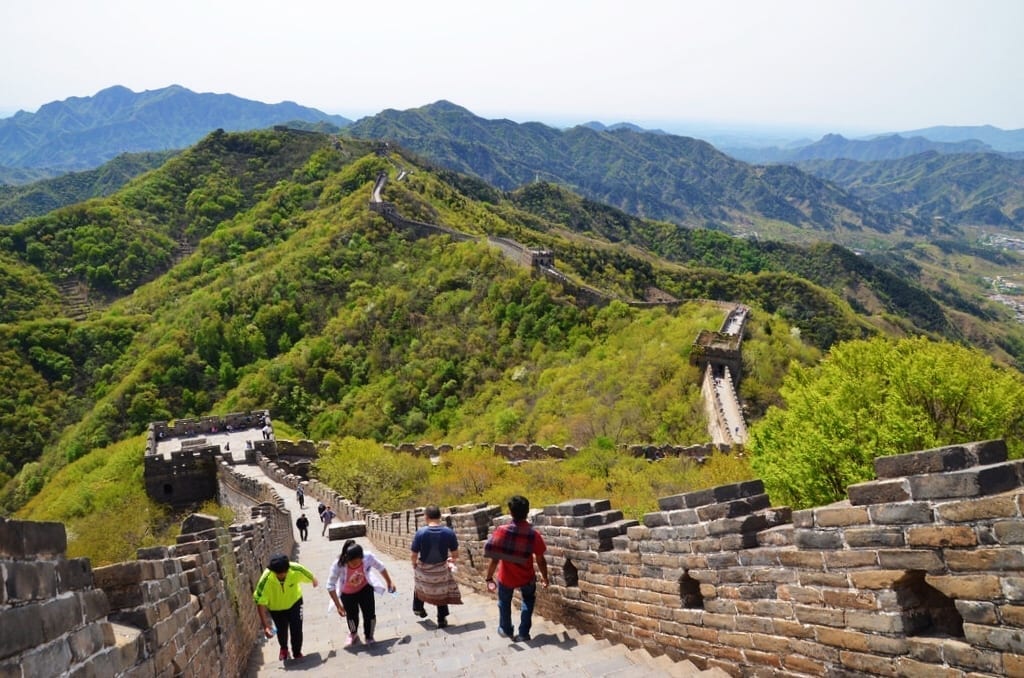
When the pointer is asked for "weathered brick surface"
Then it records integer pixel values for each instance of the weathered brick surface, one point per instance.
(976, 482)
(1013, 665)
(876, 537)
(997, 559)
(953, 458)
(906, 513)
(1002, 639)
(971, 587)
(868, 664)
(1002, 506)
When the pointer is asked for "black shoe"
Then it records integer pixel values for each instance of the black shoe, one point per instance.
(442, 622)
(521, 638)
(420, 613)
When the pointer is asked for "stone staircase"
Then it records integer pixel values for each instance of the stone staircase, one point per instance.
(469, 646)
(182, 250)
(75, 298)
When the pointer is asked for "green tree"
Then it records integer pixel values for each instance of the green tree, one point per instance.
(877, 398)
(367, 474)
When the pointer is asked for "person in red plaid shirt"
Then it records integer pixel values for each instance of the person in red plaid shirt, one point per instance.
(513, 548)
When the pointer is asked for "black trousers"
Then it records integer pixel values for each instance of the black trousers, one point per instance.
(417, 606)
(289, 624)
(360, 600)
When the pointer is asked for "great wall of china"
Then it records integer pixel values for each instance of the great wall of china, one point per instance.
(918, 573)
(716, 354)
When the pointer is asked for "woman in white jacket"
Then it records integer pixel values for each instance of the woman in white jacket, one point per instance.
(351, 587)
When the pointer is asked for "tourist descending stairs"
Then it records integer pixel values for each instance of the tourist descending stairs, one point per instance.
(408, 645)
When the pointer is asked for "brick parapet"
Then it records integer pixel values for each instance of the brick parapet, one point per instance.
(723, 578)
(526, 451)
(182, 610)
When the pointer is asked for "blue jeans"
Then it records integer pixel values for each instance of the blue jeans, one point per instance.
(529, 595)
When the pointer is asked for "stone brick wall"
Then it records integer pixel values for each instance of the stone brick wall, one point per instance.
(918, 573)
(181, 610)
(189, 477)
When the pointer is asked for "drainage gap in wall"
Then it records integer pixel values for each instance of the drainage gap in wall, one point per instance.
(571, 574)
(926, 611)
(689, 592)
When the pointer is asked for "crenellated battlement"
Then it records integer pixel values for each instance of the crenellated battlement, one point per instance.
(524, 451)
(181, 459)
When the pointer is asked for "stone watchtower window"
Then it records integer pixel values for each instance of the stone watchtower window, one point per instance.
(168, 490)
(689, 593)
(926, 611)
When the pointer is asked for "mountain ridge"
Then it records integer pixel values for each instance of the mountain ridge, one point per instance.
(685, 180)
(83, 132)
(882, 147)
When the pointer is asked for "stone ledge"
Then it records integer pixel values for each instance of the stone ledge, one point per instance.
(348, 530)
(941, 459)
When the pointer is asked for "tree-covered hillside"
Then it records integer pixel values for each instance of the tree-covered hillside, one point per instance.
(38, 198)
(298, 298)
(248, 272)
(970, 189)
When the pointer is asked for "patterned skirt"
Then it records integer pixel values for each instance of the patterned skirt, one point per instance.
(435, 584)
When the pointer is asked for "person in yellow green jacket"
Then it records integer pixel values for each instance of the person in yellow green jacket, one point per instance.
(278, 593)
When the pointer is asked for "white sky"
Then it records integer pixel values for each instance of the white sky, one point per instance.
(847, 66)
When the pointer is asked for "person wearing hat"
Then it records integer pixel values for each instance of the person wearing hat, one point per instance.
(278, 593)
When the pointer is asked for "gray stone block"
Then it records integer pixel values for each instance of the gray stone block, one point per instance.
(878, 492)
(874, 537)
(22, 629)
(348, 530)
(26, 581)
(976, 482)
(22, 539)
(906, 513)
(818, 539)
(951, 458)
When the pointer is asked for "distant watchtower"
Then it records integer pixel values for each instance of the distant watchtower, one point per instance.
(719, 351)
(538, 258)
(181, 460)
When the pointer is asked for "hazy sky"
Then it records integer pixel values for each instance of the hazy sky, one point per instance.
(830, 65)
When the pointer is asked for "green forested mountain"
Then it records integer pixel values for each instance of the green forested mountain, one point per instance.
(885, 210)
(81, 133)
(975, 189)
(657, 176)
(38, 198)
(248, 272)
